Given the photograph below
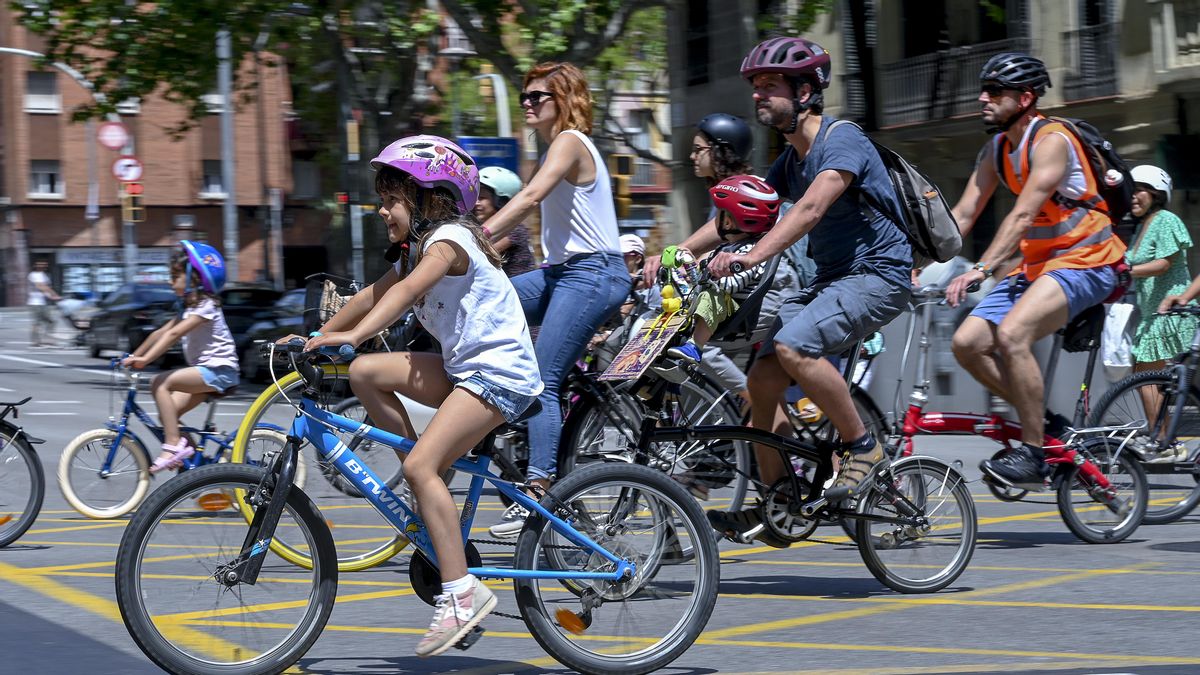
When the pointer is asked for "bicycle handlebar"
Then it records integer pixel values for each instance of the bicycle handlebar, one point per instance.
(1183, 310)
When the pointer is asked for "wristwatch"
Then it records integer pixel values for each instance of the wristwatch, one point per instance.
(982, 267)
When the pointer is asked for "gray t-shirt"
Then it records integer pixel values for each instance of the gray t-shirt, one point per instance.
(210, 344)
(852, 237)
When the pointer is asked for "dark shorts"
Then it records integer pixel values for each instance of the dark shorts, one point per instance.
(1083, 288)
(828, 318)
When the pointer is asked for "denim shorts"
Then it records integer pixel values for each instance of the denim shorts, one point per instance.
(220, 378)
(510, 404)
(1083, 288)
(827, 318)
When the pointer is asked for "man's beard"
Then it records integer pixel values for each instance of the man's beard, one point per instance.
(768, 117)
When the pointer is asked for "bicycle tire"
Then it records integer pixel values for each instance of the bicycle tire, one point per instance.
(275, 441)
(13, 525)
(1100, 451)
(84, 456)
(590, 434)
(632, 485)
(168, 643)
(921, 480)
(387, 547)
(1121, 404)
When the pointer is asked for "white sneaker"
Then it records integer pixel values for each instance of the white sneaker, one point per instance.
(1178, 452)
(511, 522)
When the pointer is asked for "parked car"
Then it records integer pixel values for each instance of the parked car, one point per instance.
(284, 318)
(244, 305)
(123, 318)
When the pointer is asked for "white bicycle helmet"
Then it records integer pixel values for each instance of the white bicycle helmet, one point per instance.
(1153, 176)
(503, 182)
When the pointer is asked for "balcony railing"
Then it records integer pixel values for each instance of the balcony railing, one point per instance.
(1091, 58)
(1176, 37)
(938, 85)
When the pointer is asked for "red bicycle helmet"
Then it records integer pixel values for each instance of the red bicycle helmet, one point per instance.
(790, 56)
(749, 200)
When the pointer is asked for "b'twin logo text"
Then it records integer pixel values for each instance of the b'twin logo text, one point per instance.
(365, 480)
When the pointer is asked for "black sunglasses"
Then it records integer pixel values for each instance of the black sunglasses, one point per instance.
(534, 98)
(994, 90)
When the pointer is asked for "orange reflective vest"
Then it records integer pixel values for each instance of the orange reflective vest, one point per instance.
(1067, 233)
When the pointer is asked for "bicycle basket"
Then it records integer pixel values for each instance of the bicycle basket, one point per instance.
(324, 295)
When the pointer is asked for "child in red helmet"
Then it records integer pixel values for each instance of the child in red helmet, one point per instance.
(747, 207)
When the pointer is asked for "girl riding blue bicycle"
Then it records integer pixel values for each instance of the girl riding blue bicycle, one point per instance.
(197, 276)
(448, 272)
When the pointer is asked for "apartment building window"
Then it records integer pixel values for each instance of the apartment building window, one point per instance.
(211, 186)
(306, 179)
(41, 92)
(45, 180)
(643, 169)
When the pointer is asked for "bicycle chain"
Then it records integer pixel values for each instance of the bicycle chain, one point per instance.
(496, 542)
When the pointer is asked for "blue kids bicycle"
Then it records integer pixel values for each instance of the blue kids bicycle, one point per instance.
(105, 472)
(616, 570)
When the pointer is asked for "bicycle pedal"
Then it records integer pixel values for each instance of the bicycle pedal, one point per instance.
(470, 638)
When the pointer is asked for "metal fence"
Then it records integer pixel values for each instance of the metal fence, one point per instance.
(1091, 58)
(938, 85)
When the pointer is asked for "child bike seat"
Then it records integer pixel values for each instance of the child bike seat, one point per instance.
(741, 324)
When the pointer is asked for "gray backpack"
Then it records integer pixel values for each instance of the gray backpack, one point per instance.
(924, 216)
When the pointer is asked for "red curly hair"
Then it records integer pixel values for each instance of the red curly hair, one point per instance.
(570, 88)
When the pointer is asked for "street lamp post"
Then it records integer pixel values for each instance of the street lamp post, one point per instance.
(503, 121)
(229, 208)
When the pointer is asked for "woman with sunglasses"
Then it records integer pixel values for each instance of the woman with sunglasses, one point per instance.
(586, 280)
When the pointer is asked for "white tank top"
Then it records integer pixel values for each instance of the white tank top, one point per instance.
(580, 218)
(1074, 182)
(478, 320)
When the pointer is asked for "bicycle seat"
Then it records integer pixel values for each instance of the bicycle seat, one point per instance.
(1082, 334)
(218, 395)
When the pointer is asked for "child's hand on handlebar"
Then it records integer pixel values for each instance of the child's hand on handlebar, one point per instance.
(135, 362)
(334, 340)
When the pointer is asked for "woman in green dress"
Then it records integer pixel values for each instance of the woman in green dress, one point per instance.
(1159, 260)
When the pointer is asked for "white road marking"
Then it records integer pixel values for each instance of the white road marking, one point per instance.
(57, 402)
(49, 364)
(47, 414)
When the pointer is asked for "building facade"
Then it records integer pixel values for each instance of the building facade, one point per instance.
(47, 163)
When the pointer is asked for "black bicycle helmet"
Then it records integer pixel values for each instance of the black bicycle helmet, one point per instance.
(1015, 70)
(729, 131)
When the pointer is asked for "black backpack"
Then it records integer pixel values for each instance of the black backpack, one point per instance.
(925, 216)
(1102, 158)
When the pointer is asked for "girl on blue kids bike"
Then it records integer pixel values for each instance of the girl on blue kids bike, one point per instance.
(197, 276)
(447, 271)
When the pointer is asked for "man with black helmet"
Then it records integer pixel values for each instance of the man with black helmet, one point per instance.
(843, 201)
(1062, 231)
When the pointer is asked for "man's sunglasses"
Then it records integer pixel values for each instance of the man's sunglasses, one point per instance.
(994, 90)
(534, 98)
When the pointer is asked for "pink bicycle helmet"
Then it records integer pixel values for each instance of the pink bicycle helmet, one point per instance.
(434, 162)
(790, 56)
(750, 200)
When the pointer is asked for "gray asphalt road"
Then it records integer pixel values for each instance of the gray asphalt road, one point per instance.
(1035, 599)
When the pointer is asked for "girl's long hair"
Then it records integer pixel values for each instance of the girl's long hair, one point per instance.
(569, 86)
(436, 207)
(197, 294)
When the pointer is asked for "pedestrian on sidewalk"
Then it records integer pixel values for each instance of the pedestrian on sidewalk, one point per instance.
(39, 298)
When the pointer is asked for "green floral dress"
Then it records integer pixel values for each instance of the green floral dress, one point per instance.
(1161, 337)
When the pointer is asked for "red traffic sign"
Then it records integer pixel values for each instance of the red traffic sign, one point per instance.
(127, 168)
(112, 135)
(133, 188)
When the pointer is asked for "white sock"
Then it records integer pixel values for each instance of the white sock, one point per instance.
(459, 585)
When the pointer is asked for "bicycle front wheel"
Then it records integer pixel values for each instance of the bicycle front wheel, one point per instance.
(186, 612)
(1152, 397)
(363, 538)
(1103, 515)
(638, 624)
(917, 526)
(95, 491)
(22, 485)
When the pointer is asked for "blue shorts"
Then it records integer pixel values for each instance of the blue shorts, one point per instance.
(220, 378)
(827, 318)
(510, 404)
(1083, 288)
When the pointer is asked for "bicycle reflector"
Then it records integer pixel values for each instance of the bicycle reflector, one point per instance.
(570, 621)
(6, 519)
(215, 501)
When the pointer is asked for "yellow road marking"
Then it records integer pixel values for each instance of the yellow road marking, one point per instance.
(91, 525)
(191, 617)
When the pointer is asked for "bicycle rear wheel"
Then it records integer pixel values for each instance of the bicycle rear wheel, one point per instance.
(104, 494)
(1098, 516)
(1174, 485)
(178, 546)
(635, 625)
(364, 539)
(929, 531)
(22, 485)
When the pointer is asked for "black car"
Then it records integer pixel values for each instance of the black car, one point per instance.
(243, 306)
(285, 318)
(125, 316)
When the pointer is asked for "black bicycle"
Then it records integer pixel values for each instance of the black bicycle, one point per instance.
(22, 481)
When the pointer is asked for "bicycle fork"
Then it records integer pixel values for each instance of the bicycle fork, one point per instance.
(268, 500)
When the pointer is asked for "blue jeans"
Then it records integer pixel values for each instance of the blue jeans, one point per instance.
(569, 301)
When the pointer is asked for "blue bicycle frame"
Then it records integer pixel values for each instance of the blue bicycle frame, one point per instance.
(405, 520)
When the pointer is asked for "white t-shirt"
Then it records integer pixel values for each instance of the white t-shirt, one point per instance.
(37, 297)
(210, 344)
(580, 218)
(478, 320)
(1074, 182)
